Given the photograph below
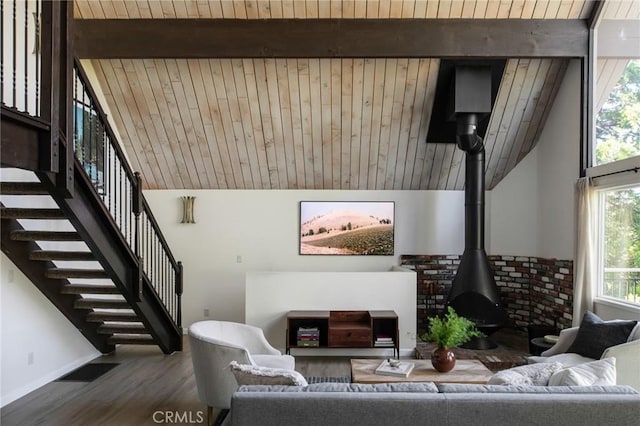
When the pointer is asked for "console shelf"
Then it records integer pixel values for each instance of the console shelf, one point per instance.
(342, 329)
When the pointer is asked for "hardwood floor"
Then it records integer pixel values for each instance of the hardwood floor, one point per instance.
(147, 388)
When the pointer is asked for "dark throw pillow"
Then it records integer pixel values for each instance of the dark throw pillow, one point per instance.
(595, 335)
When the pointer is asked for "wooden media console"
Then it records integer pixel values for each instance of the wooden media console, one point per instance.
(342, 329)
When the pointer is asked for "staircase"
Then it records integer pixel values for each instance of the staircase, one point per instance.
(44, 244)
(73, 216)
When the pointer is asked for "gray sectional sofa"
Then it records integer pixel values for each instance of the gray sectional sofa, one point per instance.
(425, 404)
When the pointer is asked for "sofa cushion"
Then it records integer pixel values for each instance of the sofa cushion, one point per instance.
(567, 359)
(595, 335)
(422, 387)
(469, 388)
(246, 374)
(635, 333)
(601, 372)
(532, 374)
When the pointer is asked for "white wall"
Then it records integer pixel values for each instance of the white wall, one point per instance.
(261, 227)
(391, 290)
(532, 210)
(38, 344)
(558, 170)
(512, 206)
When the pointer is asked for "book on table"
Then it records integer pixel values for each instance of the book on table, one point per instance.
(383, 341)
(403, 369)
(308, 337)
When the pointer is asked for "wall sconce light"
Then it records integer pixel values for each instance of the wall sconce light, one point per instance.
(187, 209)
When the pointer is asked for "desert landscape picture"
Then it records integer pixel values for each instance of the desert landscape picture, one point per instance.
(346, 228)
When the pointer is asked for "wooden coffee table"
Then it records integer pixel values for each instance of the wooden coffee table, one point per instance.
(465, 371)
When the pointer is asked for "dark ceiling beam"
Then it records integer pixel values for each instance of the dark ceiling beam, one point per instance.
(330, 38)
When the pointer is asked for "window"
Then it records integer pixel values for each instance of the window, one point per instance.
(619, 273)
(616, 152)
(617, 83)
(618, 118)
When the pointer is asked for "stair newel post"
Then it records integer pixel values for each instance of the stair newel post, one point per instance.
(65, 176)
(56, 47)
(137, 209)
(179, 294)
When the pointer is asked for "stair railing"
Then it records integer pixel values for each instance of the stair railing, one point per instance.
(33, 72)
(120, 189)
(21, 56)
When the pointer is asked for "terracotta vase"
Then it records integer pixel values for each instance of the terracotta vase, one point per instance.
(443, 359)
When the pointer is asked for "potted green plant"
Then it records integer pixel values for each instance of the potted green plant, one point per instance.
(448, 332)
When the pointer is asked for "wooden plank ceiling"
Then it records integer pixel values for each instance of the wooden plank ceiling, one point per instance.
(311, 123)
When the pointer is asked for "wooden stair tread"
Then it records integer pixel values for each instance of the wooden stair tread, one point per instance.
(122, 328)
(141, 339)
(61, 255)
(89, 289)
(63, 273)
(89, 303)
(25, 235)
(24, 213)
(22, 188)
(112, 316)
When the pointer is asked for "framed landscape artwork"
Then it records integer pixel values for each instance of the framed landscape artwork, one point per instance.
(347, 228)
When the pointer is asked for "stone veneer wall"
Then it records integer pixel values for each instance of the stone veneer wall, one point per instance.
(533, 291)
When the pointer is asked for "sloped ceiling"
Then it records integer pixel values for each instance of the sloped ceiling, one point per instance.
(313, 123)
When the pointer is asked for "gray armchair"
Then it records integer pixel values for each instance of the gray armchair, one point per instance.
(214, 344)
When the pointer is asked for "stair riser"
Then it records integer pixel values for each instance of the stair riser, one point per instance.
(76, 289)
(81, 304)
(124, 330)
(22, 188)
(127, 341)
(101, 317)
(44, 236)
(61, 255)
(67, 273)
(32, 214)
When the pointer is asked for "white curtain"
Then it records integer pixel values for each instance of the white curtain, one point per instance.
(585, 278)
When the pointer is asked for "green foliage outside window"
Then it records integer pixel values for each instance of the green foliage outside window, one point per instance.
(618, 138)
(622, 244)
(618, 121)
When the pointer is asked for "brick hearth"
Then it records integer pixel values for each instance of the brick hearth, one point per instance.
(533, 291)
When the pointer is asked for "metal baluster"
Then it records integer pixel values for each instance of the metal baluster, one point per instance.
(137, 210)
(153, 263)
(119, 206)
(165, 276)
(129, 194)
(175, 295)
(157, 267)
(166, 280)
(175, 291)
(107, 177)
(83, 111)
(26, 58)
(2, 53)
(37, 53)
(100, 160)
(14, 57)
(75, 111)
(159, 281)
(92, 135)
(146, 245)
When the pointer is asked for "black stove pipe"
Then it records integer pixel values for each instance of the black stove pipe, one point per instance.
(474, 293)
(469, 141)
